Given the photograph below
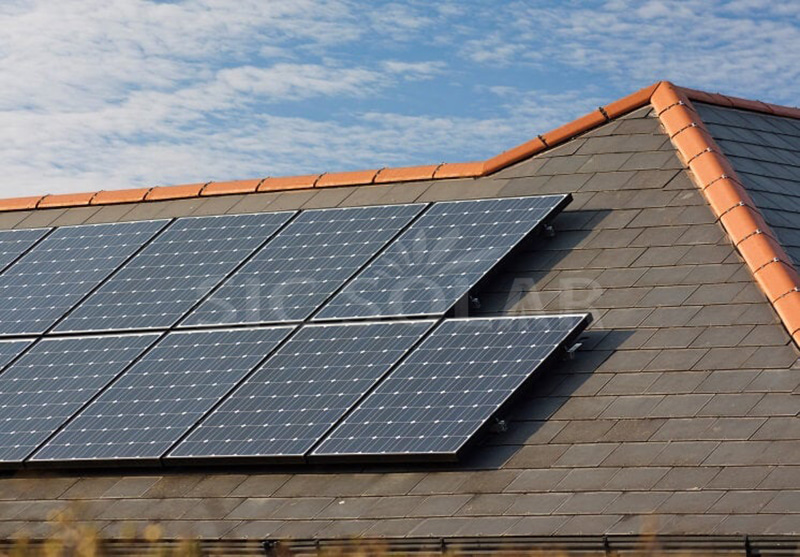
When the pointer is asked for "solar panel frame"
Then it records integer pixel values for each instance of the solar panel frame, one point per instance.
(303, 265)
(41, 391)
(328, 312)
(168, 260)
(81, 257)
(11, 249)
(319, 454)
(154, 409)
(252, 396)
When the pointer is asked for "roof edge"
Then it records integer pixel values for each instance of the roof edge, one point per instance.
(475, 169)
(711, 171)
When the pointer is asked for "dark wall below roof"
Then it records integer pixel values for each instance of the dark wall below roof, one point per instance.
(679, 412)
(765, 152)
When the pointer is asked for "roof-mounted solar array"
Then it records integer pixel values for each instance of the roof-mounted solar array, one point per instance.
(162, 396)
(254, 337)
(441, 257)
(174, 272)
(433, 404)
(43, 285)
(52, 381)
(286, 407)
(306, 263)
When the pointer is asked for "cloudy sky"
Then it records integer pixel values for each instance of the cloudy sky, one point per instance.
(105, 94)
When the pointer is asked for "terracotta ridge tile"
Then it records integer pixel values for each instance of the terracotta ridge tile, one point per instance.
(233, 187)
(459, 170)
(285, 183)
(713, 174)
(160, 193)
(20, 203)
(352, 178)
(66, 200)
(406, 174)
(111, 197)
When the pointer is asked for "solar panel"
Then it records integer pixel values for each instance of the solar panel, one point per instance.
(64, 267)
(14, 243)
(10, 349)
(174, 272)
(284, 408)
(52, 381)
(439, 258)
(142, 414)
(438, 398)
(303, 265)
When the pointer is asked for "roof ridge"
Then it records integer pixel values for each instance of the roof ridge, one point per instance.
(474, 169)
(733, 207)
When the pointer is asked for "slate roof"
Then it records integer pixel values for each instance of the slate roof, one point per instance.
(679, 413)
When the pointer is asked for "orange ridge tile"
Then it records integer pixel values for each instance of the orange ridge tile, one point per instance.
(112, 197)
(20, 203)
(406, 174)
(513, 155)
(677, 118)
(631, 102)
(706, 97)
(354, 178)
(66, 200)
(725, 194)
(742, 222)
(747, 104)
(160, 193)
(761, 249)
(693, 141)
(788, 308)
(709, 167)
(665, 97)
(777, 280)
(282, 183)
(459, 170)
(576, 127)
(228, 188)
(786, 111)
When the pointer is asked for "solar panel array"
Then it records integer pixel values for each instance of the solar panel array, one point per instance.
(290, 402)
(166, 392)
(43, 285)
(440, 257)
(303, 266)
(174, 272)
(53, 380)
(119, 346)
(438, 398)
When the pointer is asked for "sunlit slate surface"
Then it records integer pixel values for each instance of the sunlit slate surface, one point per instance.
(448, 387)
(303, 265)
(163, 282)
(437, 260)
(63, 268)
(53, 380)
(165, 393)
(10, 349)
(284, 408)
(14, 243)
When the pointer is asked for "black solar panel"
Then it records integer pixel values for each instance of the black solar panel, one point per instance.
(53, 380)
(167, 278)
(63, 268)
(437, 260)
(303, 265)
(157, 400)
(14, 243)
(435, 401)
(284, 408)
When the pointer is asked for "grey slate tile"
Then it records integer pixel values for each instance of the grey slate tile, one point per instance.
(536, 504)
(588, 503)
(740, 478)
(440, 505)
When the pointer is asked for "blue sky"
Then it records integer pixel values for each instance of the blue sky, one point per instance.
(106, 94)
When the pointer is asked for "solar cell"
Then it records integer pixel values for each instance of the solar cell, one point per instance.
(303, 265)
(286, 406)
(438, 398)
(14, 243)
(143, 413)
(440, 257)
(52, 381)
(174, 272)
(64, 267)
